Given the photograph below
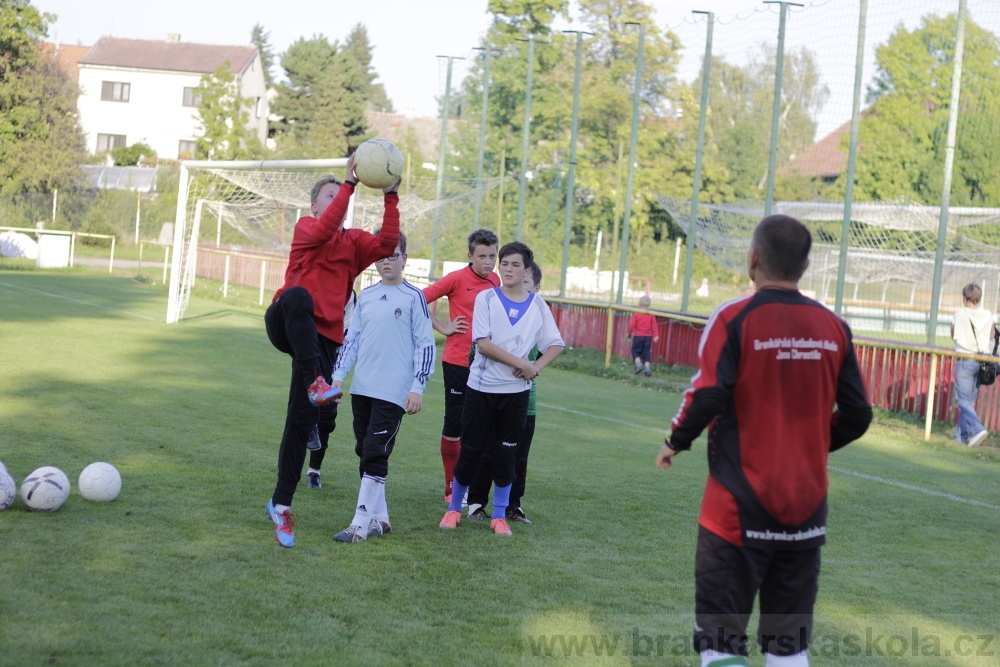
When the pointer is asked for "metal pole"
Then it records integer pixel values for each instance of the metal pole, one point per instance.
(949, 163)
(779, 69)
(852, 157)
(55, 205)
(636, 98)
(138, 208)
(526, 133)
(482, 135)
(692, 235)
(503, 169)
(571, 178)
(441, 163)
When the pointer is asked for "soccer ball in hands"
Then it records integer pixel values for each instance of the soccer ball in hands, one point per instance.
(45, 490)
(378, 163)
(8, 489)
(100, 482)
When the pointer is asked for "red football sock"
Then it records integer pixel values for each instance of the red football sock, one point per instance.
(450, 449)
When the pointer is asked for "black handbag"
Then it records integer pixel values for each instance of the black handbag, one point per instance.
(988, 369)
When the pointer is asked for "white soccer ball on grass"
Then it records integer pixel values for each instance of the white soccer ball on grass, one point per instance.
(8, 489)
(100, 482)
(45, 490)
(378, 163)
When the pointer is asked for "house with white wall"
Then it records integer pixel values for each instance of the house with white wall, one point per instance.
(135, 91)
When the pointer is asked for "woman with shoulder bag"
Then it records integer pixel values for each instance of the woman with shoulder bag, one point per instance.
(972, 328)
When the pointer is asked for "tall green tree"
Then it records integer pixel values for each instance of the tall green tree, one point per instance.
(223, 115)
(262, 40)
(41, 143)
(321, 107)
(741, 100)
(903, 132)
(359, 47)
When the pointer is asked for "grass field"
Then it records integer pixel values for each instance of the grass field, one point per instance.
(183, 569)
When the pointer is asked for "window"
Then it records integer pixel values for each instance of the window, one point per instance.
(260, 107)
(192, 97)
(115, 91)
(186, 149)
(105, 142)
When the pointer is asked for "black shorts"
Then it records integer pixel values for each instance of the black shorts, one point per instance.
(642, 347)
(456, 380)
(728, 578)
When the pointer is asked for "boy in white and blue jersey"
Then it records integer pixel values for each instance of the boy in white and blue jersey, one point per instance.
(391, 344)
(508, 321)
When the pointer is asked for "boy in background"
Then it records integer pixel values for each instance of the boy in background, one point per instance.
(643, 332)
(461, 287)
(479, 492)
(391, 346)
(508, 321)
(306, 321)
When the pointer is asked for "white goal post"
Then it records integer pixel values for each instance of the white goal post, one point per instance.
(254, 205)
(241, 189)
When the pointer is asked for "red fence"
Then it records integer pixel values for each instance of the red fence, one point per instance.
(897, 377)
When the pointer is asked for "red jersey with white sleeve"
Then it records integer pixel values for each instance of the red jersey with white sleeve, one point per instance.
(326, 259)
(772, 369)
(642, 324)
(461, 287)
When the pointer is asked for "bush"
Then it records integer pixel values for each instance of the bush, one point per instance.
(128, 156)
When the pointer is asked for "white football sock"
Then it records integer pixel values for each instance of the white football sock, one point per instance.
(281, 508)
(797, 660)
(367, 500)
(381, 509)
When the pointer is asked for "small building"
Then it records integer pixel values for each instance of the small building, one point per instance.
(134, 91)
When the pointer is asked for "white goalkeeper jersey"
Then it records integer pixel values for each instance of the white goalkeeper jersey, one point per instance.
(390, 344)
(515, 327)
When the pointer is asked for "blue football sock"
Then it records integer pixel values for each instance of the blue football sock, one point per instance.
(458, 492)
(501, 498)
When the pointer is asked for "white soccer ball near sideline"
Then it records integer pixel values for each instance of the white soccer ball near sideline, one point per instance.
(8, 489)
(100, 482)
(378, 163)
(45, 489)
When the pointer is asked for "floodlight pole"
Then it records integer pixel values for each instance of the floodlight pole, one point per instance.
(525, 140)
(482, 133)
(571, 177)
(626, 220)
(852, 158)
(692, 235)
(779, 69)
(441, 161)
(949, 163)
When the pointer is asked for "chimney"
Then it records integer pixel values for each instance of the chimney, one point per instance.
(173, 37)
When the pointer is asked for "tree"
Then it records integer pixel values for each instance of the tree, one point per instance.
(322, 105)
(128, 156)
(41, 144)
(261, 40)
(223, 115)
(741, 100)
(358, 47)
(903, 132)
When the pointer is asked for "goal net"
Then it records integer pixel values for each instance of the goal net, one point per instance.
(250, 208)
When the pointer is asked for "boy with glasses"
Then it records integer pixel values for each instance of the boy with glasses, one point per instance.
(391, 346)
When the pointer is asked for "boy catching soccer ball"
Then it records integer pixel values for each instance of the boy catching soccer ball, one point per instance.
(772, 367)
(391, 346)
(507, 322)
(461, 287)
(306, 321)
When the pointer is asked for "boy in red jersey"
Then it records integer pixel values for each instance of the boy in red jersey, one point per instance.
(642, 330)
(772, 367)
(461, 287)
(306, 321)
